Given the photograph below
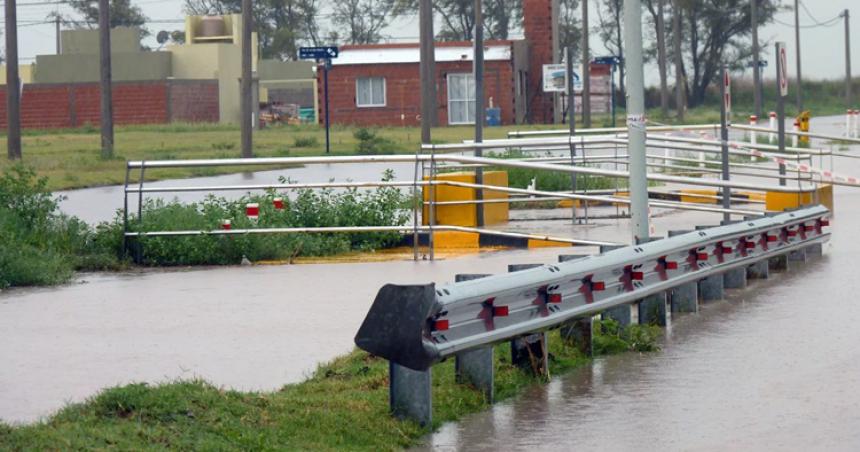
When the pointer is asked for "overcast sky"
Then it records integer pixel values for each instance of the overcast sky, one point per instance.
(822, 46)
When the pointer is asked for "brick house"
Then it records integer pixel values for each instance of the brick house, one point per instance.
(379, 85)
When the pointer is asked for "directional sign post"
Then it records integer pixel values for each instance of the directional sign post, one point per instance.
(324, 54)
(782, 83)
(725, 111)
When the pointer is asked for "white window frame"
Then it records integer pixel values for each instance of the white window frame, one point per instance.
(467, 100)
(370, 84)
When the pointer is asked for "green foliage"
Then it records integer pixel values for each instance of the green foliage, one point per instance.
(610, 338)
(38, 245)
(305, 142)
(370, 143)
(224, 145)
(307, 208)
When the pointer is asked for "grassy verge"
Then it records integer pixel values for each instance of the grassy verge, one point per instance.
(344, 405)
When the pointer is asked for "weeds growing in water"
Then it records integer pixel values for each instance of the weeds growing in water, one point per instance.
(609, 337)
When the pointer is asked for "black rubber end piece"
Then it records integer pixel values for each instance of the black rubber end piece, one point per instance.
(397, 326)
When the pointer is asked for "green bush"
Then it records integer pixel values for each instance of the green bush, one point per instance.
(369, 143)
(610, 338)
(39, 245)
(305, 142)
(307, 208)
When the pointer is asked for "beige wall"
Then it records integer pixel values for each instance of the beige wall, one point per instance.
(135, 66)
(25, 73)
(122, 40)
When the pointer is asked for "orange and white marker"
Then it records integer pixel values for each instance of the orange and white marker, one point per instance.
(278, 203)
(226, 225)
(753, 123)
(772, 136)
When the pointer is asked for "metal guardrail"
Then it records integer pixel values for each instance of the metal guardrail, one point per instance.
(418, 325)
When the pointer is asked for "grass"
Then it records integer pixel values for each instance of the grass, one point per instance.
(343, 405)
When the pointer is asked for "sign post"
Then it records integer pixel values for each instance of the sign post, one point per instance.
(725, 112)
(324, 54)
(782, 83)
(612, 61)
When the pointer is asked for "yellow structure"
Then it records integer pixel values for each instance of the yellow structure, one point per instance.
(25, 73)
(778, 201)
(803, 121)
(465, 214)
(700, 195)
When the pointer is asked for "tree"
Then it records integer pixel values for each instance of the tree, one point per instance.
(569, 26)
(362, 20)
(282, 26)
(458, 17)
(661, 56)
(122, 14)
(716, 32)
(609, 29)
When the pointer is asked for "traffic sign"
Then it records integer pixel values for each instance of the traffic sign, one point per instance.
(318, 53)
(783, 68)
(611, 60)
(727, 97)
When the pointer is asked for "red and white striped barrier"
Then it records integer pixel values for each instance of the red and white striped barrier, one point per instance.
(753, 123)
(226, 225)
(252, 211)
(278, 203)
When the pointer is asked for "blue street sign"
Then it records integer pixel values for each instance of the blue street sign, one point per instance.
(611, 60)
(318, 53)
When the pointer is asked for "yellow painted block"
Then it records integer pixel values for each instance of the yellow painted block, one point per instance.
(824, 196)
(456, 239)
(621, 194)
(779, 201)
(533, 243)
(689, 195)
(568, 203)
(754, 196)
(465, 214)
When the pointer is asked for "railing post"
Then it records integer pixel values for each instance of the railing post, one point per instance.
(758, 270)
(711, 288)
(735, 278)
(579, 333)
(684, 298)
(778, 263)
(652, 310)
(476, 367)
(798, 255)
(530, 351)
(410, 394)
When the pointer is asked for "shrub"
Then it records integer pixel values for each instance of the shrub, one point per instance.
(369, 143)
(305, 142)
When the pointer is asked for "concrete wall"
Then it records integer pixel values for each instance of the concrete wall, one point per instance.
(25, 73)
(285, 70)
(71, 105)
(81, 68)
(86, 42)
(403, 98)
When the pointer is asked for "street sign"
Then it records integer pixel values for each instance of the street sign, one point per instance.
(783, 69)
(727, 97)
(611, 60)
(318, 53)
(555, 79)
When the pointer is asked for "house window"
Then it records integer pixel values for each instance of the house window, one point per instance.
(461, 99)
(370, 92)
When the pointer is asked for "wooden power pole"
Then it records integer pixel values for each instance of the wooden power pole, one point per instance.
(586, 71)
(246, 107)
(106, 79)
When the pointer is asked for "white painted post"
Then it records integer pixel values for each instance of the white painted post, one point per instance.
(773, 127)
(753, 123)
(795, 128)
(848, 128)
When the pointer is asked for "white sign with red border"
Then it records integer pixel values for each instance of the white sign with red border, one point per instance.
(783, 68)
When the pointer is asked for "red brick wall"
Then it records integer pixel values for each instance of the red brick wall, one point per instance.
(402, 92)
(74, 105)
(537, 28)
(194, 101)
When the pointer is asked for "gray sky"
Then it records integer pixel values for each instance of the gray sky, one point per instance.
(823, 47)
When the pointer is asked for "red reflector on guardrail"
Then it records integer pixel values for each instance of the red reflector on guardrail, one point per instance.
(500, 311)
(441, 325)
(726, 249)
(808, 228)
(671, 265)
(790, 232)
(824, 222)
(278, 203)
(772, 238)
(554, 298)
(702, 256)
(637, 276)
(749, 245)
(598, 285)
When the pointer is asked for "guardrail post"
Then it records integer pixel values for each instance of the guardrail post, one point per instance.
(684, 298)
(579, 333)
(605, 248)
(625, 315)
(778, 263)
(477, 366)
(798, 255)
(735, 278)
(759, 270)
(815, 250)
(530, 351)
(652, 309)
(409, 394)
(711, 288)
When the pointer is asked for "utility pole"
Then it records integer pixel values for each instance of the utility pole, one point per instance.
(246, 107)
(57, 25)
(680, 103)
(106, 79)
(661, 59)
(571, 123)
(479, 108)
(636, 120)
(13, 93)
(797, 50)
(848, 95)
(755, 63)
(781, 79)
(725, 111)
(428, 69)
(586, 70)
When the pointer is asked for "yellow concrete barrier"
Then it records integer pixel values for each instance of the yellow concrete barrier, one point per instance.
(465, 214)
(456, 239)
(534, 243)
(779, 201)
(689, 195)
